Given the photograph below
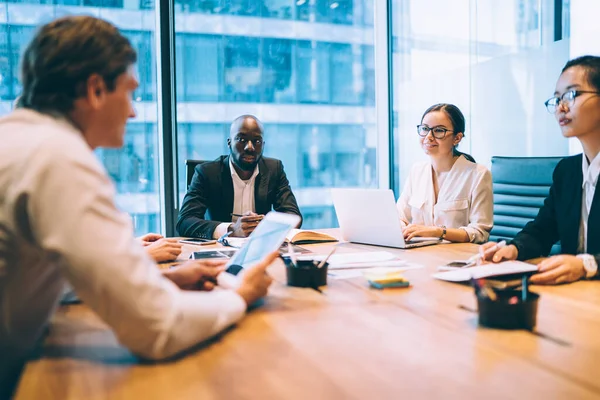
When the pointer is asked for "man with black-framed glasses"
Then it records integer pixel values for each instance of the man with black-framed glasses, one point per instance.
(231, 194)
(571, 212)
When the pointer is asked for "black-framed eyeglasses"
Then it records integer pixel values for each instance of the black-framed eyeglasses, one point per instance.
(567, 98)
(223, 240)
(438, 132)
(255, 142)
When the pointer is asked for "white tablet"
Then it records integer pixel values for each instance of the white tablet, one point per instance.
(266, 238)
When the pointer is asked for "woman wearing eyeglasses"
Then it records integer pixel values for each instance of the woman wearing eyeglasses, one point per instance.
(571, 212)
(449, 196)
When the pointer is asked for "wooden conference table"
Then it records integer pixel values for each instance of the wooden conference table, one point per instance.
(348, 342)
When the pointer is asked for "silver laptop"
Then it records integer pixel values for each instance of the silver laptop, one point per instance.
(370, 216)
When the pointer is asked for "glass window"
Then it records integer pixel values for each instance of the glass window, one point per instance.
(277, 79)
(317, 156)
(347, 77)
(134, 168)
(494, 51)
(280, 9)
(313, 69)
(143, 42)
(199, 6)
(200, 141)
(199, 67)
(328, 11)
(279, 139)
(369, 77)
(242, 69)
(315, 95)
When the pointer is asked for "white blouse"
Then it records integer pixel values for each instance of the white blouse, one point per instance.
(465, 199)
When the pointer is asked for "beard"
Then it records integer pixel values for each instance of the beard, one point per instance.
(243, 164)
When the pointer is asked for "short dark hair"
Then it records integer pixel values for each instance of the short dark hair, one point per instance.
(591, 65)
(456, 118)
(63, 54)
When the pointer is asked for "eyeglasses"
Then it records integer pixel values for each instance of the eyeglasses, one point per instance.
(223, 240)
(567, 98)
(438, 132)
(255, 142)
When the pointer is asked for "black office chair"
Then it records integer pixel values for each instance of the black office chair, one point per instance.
(190, 166)
(520, 186)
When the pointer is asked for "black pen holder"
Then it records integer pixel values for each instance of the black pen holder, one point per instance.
(508, 310)
(305, 273)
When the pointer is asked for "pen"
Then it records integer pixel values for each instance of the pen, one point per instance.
(477, 258)
(292, 254)
(327, 258)
(483, 290)
(245, 215)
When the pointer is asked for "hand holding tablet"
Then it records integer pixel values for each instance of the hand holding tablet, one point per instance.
(264, 240)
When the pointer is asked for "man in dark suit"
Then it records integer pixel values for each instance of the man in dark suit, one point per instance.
(236, 190)
(571, 213)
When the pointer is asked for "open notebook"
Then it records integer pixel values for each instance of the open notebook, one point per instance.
(299, 236)
(487, 270)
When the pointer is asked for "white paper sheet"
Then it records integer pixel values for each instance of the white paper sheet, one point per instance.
(358, 260)
(356, 272)
(486, 270)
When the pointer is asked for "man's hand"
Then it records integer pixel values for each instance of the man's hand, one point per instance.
(255, 280)
(149, 238)
(196, 274)
(164, 249)
(245, 224)
(559, 269)
(413, 231)
(506, 253)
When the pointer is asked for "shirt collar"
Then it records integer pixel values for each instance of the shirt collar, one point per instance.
(590, 170)
(234, 173)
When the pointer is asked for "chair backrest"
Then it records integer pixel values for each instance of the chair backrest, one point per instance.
(521, 184)
(190, 165)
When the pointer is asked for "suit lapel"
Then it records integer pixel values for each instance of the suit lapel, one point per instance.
(227, 189)
(261, 188)
(593, 234)
(569, 207)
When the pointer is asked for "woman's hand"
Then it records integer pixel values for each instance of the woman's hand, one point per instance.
(412, 231)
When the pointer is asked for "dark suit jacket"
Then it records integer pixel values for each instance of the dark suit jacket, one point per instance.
(560, 216)
(211, 191)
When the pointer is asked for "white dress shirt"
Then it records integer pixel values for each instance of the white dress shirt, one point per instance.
(243, 198)
(590, 178)
(58, 221)
(465, 199)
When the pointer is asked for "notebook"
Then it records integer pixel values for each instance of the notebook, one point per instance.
(487, 270)
(299, 236)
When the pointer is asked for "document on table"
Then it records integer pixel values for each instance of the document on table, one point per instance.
(486, 270)
(237, 241)
(356, 272)
(351, 265)
(359, 260)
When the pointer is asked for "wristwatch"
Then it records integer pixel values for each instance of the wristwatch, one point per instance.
(443, 232)
(589, 264)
